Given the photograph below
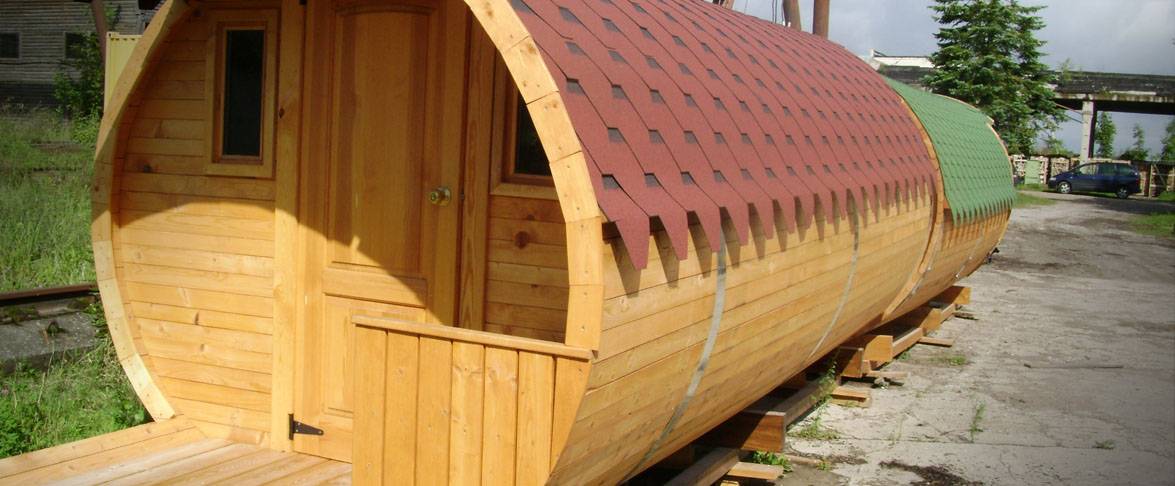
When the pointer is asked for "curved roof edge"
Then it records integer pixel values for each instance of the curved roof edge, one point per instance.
(976, 174)
(686, 109)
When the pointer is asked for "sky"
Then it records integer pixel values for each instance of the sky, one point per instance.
(1126, 36)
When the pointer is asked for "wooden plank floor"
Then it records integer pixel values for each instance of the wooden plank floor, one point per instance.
(171, 452)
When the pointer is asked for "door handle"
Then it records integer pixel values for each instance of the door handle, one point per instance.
(440, 196)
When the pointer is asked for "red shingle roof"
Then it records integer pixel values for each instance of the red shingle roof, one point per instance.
(685, 107)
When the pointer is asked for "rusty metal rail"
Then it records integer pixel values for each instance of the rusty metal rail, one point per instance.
(47, 293)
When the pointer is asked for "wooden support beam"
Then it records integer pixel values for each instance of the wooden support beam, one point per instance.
(708, 469)
(957, 294)
(760, 427)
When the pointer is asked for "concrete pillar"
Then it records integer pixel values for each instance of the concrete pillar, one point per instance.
(1088, 125)
(791, 14)
(820, 17)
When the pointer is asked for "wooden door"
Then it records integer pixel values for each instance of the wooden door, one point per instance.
(378, 140)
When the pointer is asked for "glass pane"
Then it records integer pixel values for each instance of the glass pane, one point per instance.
(1090, 169)
(244, 59)
(529, 157)
(1107, 169)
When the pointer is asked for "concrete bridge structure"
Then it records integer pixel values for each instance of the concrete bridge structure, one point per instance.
(1085, 91)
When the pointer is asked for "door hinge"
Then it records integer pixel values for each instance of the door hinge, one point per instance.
(297, 427)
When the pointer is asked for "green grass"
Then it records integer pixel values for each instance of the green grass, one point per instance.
(85, 396)
(771, 459)
(814, 429)
(45, 171)
(1033, 187)
(44, 200)
(1024, 200)
(1168, 196)
(1155, 224)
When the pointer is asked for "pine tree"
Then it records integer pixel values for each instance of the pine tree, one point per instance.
(1169, 142)
(1137, 150)
(1103, 136)
(988, 55)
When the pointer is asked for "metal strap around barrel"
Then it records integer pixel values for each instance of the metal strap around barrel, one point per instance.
(844, 297)
(711, 337)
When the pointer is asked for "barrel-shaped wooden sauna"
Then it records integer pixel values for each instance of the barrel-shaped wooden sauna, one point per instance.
(511, 241)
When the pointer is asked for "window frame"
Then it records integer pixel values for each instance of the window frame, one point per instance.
(17, 36)
(504, 180)
(220, 23)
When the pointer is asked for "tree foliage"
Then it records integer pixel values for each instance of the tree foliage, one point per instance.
(988, 55)
(77, 85)
(1169, 142)
(1103, 136)
(1137, 150)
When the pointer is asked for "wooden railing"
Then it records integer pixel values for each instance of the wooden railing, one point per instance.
(437, 404)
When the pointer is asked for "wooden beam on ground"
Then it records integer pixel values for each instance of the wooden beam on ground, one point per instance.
(751, 470)
(933, 341)
(708, 469)
(860, 397)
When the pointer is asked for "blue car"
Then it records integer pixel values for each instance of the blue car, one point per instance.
(1120, 179)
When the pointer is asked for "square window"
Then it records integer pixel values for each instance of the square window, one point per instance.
(9, 45)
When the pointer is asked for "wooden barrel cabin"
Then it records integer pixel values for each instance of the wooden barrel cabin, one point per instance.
(511, 241)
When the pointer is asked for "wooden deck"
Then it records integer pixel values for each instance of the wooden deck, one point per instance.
(172, 452)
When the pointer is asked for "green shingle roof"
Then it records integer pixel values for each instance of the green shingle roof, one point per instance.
(976, 173)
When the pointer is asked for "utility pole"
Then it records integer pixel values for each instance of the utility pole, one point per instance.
(791, 14)
(820, 17)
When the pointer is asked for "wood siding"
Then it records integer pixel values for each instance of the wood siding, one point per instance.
(782, 296)
(194, 253)
(526, 268)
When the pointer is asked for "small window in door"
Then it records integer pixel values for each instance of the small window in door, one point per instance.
(9, 45)
(520, 166)
(242, 83)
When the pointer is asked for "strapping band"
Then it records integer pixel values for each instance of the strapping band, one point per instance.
(844, 297)
(715, 323)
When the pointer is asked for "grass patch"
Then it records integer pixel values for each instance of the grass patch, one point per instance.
(1155, 224)
(1105, 445)
(1038, 187)
(45, 170)
(1168, 196)
(85, 396)
(1024, 200)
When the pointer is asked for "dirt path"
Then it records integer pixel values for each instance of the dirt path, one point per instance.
(1067, 376)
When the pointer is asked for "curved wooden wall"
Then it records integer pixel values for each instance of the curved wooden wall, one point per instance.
(194, 273)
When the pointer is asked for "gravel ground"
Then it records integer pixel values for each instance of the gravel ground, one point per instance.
(1066, 377)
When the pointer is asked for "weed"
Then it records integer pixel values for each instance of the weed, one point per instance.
(824, 465)
(1024, 200)
(814, 429)
(904, 356)
(1104, 444)
(771, 459)
(977, 419)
